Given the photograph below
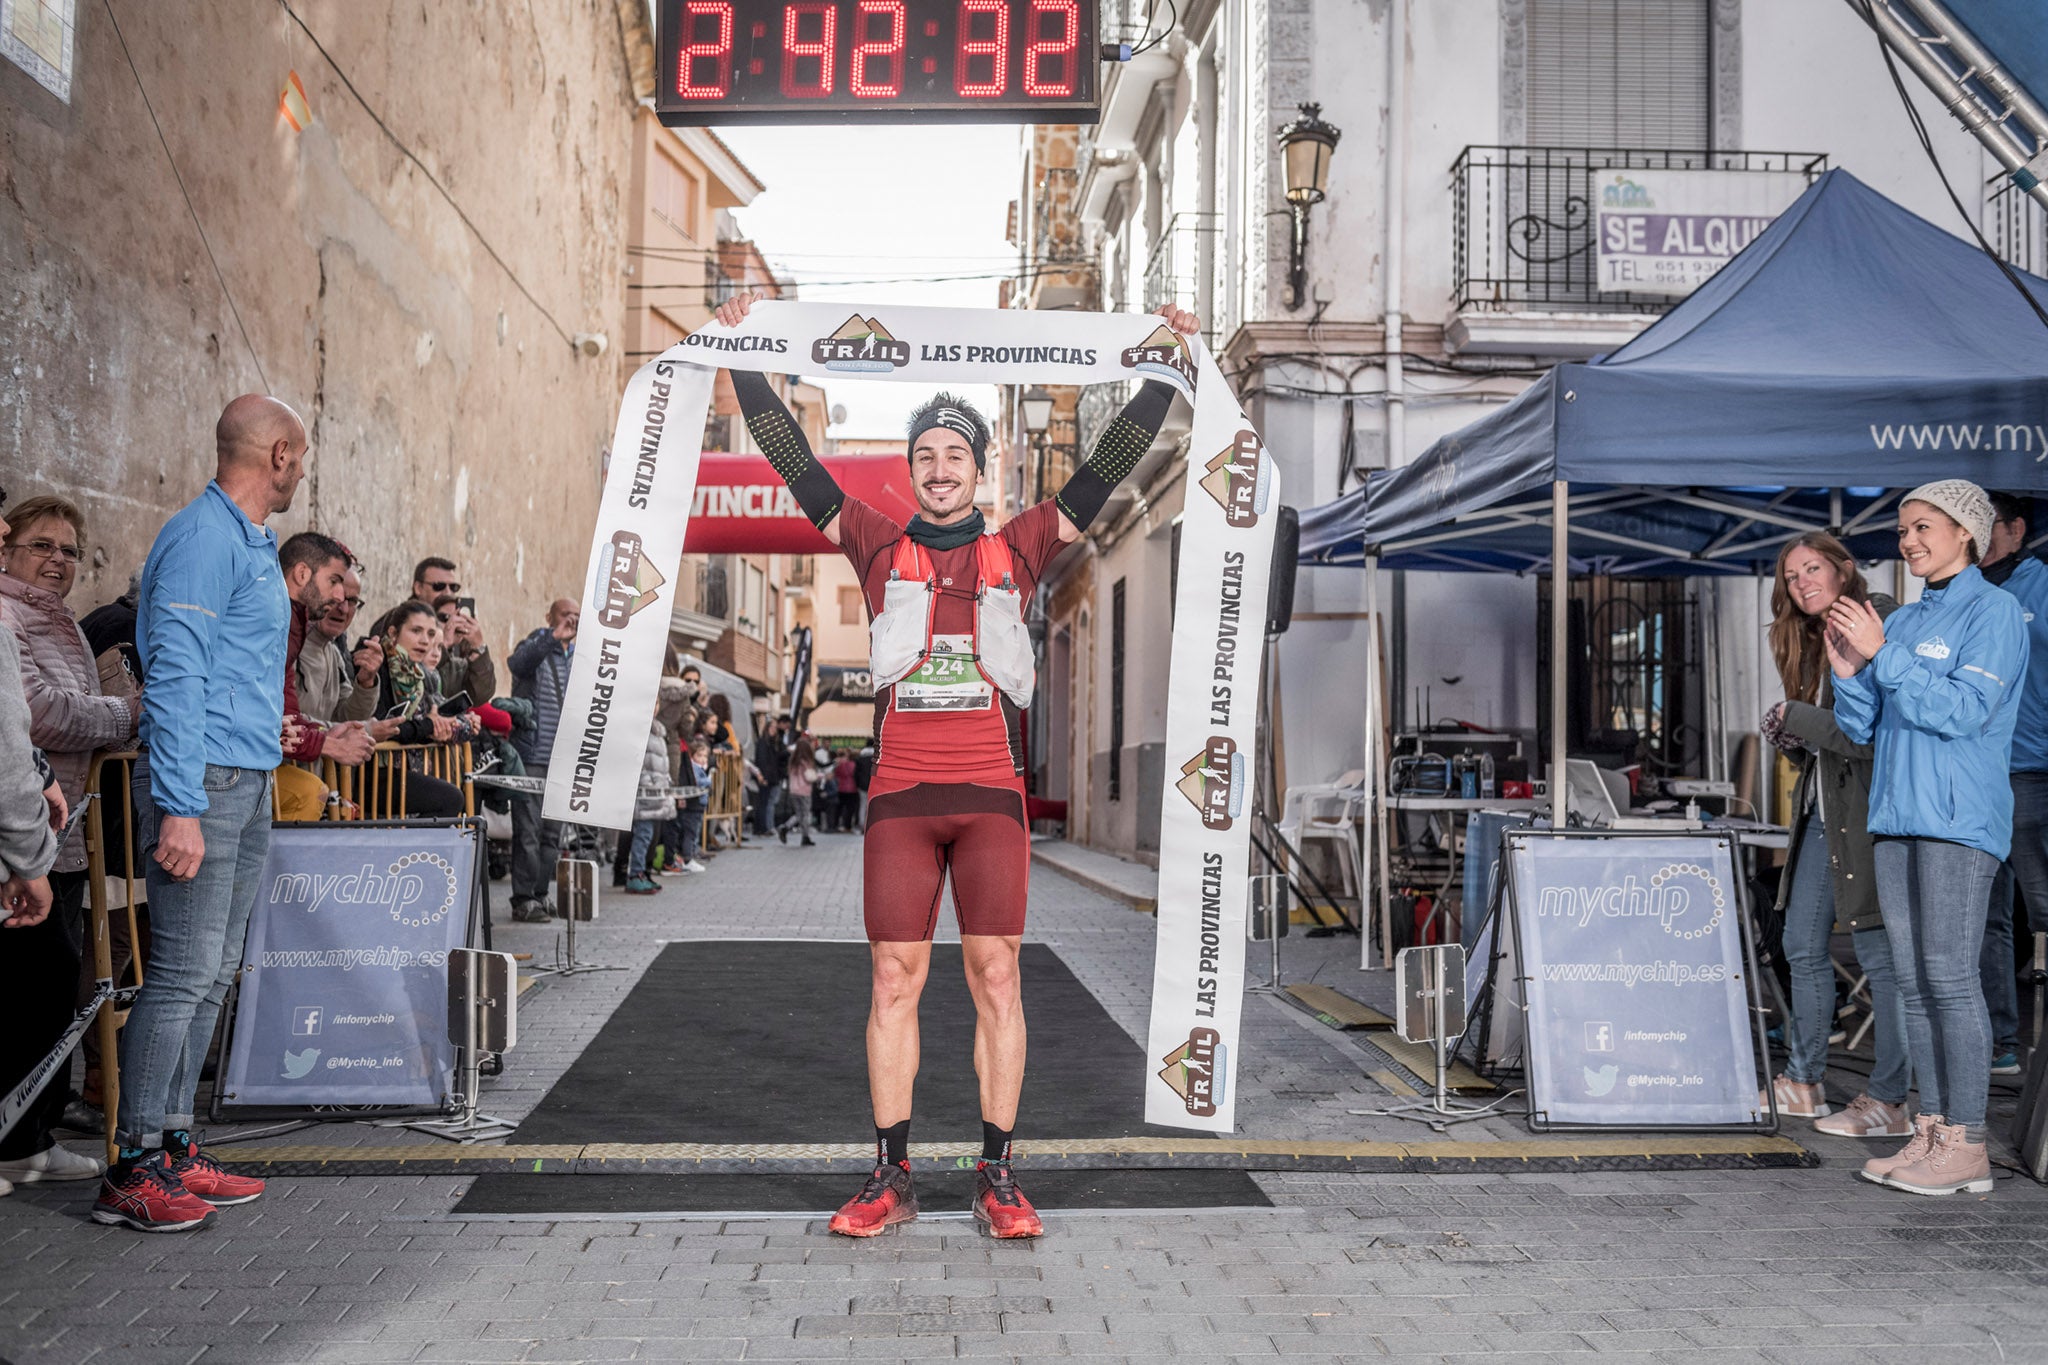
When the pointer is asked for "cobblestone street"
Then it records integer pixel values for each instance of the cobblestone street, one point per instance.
(1796, 1264)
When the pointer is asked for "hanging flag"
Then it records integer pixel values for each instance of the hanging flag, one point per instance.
(292, 106)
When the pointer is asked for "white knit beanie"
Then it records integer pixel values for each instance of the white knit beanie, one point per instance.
(1967, 504)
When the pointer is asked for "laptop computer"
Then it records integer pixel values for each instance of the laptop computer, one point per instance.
(1599, 797)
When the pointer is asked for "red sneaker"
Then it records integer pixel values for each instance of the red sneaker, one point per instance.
(886, 1198)
(1000, 1205)
(150, 1198)
(203, 1176)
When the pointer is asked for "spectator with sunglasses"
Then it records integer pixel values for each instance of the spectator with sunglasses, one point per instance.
(465, 659)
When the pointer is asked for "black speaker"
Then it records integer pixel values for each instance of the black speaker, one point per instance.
(1280, 587)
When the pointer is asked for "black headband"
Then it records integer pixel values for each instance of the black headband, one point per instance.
(955, 420)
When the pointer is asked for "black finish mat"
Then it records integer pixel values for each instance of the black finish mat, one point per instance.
(939, 1192)
(751, 1041)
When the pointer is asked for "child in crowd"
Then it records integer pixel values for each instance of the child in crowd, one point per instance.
(689, 821)
(650, 810)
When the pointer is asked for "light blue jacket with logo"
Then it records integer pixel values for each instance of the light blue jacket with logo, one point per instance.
(211, 623)
(1938, 704)
(2029, 583)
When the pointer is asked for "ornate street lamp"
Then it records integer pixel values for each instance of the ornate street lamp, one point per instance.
(1036, 405)
(1306, 144)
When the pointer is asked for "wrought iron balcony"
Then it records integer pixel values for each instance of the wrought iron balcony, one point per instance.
(1173, 274)
(1522, 222)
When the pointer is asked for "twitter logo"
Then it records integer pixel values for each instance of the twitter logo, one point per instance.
(298, 1065)
(1598, 1082)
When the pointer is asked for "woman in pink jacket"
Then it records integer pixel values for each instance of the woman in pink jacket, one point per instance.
(70, 718)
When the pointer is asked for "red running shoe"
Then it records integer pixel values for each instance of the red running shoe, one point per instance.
(1000, 1205)
(150, 1198)
(203, 1176)
(886, 1198)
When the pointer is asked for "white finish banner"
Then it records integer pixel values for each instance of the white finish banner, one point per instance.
(1219, 622)
(1668, 232)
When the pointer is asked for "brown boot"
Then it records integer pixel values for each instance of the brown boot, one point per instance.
(1878, 1169)
(1953, 1165)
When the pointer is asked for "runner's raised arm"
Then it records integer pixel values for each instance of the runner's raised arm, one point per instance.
(781, 439)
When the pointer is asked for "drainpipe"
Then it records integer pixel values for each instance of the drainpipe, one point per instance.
(1397, 161)
(1205, 186)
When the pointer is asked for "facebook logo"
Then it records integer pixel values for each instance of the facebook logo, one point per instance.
(1599, 1036)
(305, 1021)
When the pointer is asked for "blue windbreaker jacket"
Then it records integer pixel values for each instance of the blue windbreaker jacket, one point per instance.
(210, 628)
(1939, 703)
(2029, 583)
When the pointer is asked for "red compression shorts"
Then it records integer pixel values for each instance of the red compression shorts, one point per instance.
(915, 836)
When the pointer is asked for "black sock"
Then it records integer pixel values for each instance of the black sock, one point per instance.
(128, 1160)
(177, 1140)
(995, 1142)
(892, 1144)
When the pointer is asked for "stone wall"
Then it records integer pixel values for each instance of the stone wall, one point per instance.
(448, 410)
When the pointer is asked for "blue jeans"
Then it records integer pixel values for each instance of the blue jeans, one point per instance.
(643, 840)
(2026, 869)
(1891, 1067)
(197, 930)
(1809, 922)
(689, 833)
(1935, 895)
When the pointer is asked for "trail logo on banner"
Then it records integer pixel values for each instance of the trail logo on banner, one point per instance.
(1668, 232)
(1638, 993)
(1194, 1071)
(626, 581)
(344, 992)
(861, 346)
(1165, 355)
(1240, 480)
(1214, 782)
(1213, 697)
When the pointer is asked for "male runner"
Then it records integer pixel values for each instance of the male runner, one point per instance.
(947, 792)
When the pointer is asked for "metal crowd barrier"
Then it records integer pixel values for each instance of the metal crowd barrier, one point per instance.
(726, 808)
(376, 790)
(111, 1000)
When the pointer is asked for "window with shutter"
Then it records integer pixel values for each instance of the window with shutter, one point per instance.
(1619, 73)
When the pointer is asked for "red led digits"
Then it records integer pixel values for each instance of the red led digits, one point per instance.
(997, 49)
(718, 50)
(884, 54)
(1064, 47)
(794, 50)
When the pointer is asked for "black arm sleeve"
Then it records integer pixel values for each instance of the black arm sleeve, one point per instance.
(1117, 451)
(786, 447)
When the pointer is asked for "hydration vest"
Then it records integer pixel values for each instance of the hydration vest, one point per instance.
(900, 636)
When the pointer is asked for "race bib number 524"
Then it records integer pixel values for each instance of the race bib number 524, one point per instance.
(949, 680)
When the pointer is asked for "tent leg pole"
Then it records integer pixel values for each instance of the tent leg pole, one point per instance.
(1560, 639)
(1375, 773)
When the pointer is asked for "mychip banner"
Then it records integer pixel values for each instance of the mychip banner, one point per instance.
(1637, 980)
(344, 989)
(1232, 496)
(1668, 232)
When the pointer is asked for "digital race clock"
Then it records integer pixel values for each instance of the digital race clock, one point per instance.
(882, 61)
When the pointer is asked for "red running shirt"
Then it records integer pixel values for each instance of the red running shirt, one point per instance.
(949, 724)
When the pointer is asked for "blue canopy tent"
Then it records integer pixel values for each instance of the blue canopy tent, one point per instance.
(1850, 352)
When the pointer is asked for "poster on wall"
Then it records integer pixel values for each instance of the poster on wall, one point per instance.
(344, 989)
(1669, 232)
(1638, 981)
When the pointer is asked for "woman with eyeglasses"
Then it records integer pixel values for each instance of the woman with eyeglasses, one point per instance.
(70, 716)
